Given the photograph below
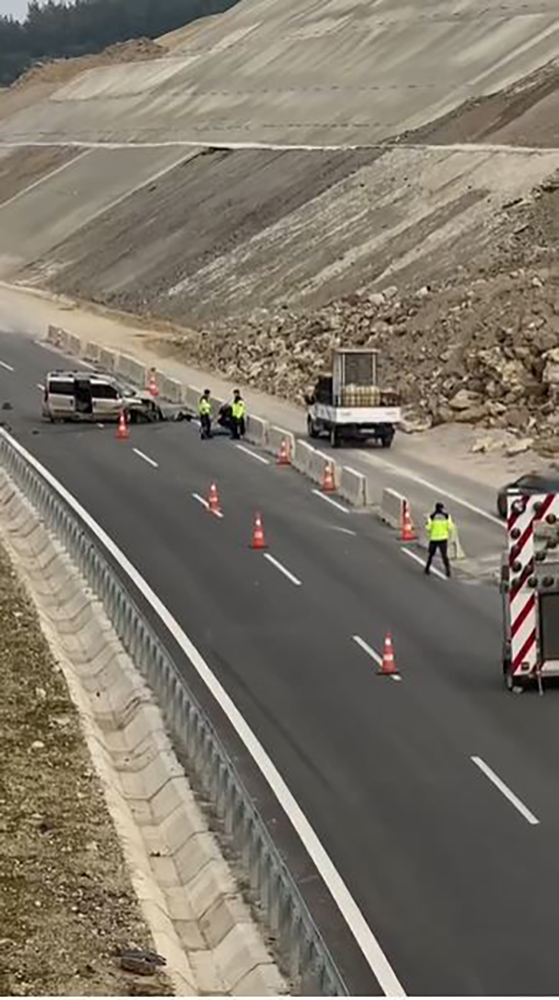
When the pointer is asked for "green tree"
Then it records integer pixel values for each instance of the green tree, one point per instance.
(55, 29)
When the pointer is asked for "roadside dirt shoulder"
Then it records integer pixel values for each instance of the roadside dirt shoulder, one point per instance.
(66, 903)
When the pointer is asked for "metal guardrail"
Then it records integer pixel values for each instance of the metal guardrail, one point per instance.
(301, 949)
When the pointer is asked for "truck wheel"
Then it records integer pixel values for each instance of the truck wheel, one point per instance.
(507, 675)
(387, 438)
(311, 428)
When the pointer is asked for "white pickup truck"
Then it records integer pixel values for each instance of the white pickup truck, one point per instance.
(347, 404)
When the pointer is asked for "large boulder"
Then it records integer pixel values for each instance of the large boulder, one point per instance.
(465, 399)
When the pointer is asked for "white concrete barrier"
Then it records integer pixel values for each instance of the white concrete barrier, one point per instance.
(107, 359)
(131, 369)
(170, 388)
(353, 487)
(191, 398)
(58, 338)
(91, 352)
(391, 507)
(217, 403)
(74, 345)
(455, 549)
(276, 436)
(256, 430)
(319, 462)
(302, 456)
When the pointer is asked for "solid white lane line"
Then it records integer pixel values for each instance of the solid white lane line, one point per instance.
(329, 500)
(253, 454)
(41, 387)
(205, 503)
(505, 790)
(282, 569)
(344, 531)
(418, 559)
(373, 654)
(7, 367)
(438, 489)
(146, 458)
(357, 925)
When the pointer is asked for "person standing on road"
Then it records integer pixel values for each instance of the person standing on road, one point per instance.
(238, 413)
(440, 529)
(205, 414)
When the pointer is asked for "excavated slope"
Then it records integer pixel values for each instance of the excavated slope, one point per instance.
(156, 215)
(299, 72)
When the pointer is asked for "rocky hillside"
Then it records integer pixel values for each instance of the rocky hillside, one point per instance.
(480, 348)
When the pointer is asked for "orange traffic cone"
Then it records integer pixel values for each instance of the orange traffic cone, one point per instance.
(258, 541)
(388, 667)
(328, 483)
(284, 456)
(122, 432)
(407, 530)
(214, 506)
(153, 387)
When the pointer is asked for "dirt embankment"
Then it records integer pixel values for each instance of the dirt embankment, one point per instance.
(481, 348)
(66, 904)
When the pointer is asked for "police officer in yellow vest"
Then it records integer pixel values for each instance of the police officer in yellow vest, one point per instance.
(238, 413)
(205, 414)
(440, 529)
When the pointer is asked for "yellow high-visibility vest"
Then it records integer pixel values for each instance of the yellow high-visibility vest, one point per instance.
(440, 527)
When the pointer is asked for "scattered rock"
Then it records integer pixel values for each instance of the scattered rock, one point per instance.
(519, 447)
(481, 446)
(409, 426)
(464, 399)
(141, 963)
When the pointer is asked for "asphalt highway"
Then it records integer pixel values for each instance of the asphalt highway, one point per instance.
(435, 795)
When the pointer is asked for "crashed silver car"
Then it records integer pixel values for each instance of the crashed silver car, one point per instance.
(96, 396)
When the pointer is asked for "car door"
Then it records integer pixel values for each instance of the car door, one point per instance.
(107, 402)
(60, 401)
